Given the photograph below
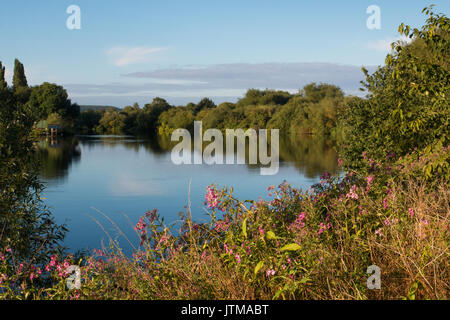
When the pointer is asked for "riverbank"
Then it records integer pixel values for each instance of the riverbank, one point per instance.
(301, 244)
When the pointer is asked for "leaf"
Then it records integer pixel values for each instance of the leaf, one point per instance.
(290, 247)
(270, 235)
(244, 228)
(259, 266)
(304, 280)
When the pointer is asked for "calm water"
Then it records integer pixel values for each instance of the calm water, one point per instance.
(124, 177)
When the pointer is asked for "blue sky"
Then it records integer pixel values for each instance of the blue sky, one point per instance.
(132, 51)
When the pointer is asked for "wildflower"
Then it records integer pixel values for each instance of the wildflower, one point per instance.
(261, 230)
(323, 227)
(411, 212)
(340, 161)
(140, 226)
(369, 182)
(298, 223)
(238, 258)
(352, 193)
(221, 225)
(227, 250)
(270, 272)
(385, 204)
(151, 215)
(378, 232)
(211, 198)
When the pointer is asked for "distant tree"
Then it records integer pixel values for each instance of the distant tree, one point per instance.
(19, 78)
(148, 122)
(205, 103)
(3, 83)
(316, 92)
(255, 97)
(20, 84)
(50, 98)
(88, 120)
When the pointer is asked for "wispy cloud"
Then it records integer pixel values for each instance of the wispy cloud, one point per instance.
(260, 75)
(124, 56)
(221, 82)
(384, 45)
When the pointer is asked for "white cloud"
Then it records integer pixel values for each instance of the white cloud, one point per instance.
(384, 45)
(123, 56)
(221, 82)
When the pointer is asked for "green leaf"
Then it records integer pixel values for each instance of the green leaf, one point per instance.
(259, 266)
(290, 247)
(244, 228)
(271, 235)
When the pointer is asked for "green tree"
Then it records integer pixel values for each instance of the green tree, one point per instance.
(26, 226)
(3, 83)
(406, 108)
(20, 84)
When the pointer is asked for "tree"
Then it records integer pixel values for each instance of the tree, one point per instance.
(19, 78)
(406, 109)
(49, 98)
(316, 92)
(3, 83)
(27, 227)
(20, 84)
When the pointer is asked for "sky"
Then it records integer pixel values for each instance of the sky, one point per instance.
(132, 51)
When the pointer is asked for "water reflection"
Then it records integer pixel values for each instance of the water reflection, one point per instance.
(125, 176)
(57, 156)
(311, 155)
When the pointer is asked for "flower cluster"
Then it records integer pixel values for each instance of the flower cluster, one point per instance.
(212, 198)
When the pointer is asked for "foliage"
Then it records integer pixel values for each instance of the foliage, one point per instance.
(408, 98)
(25, 224)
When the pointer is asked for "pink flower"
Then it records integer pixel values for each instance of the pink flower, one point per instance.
(411, 212)
(323, 227)
(261, 230)
(298, 223)
(227, 250)
(369, 182)
(211, 197)
(385, 204)
(352, 193)
(238, 258)
(340, 161)
(270, 272)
